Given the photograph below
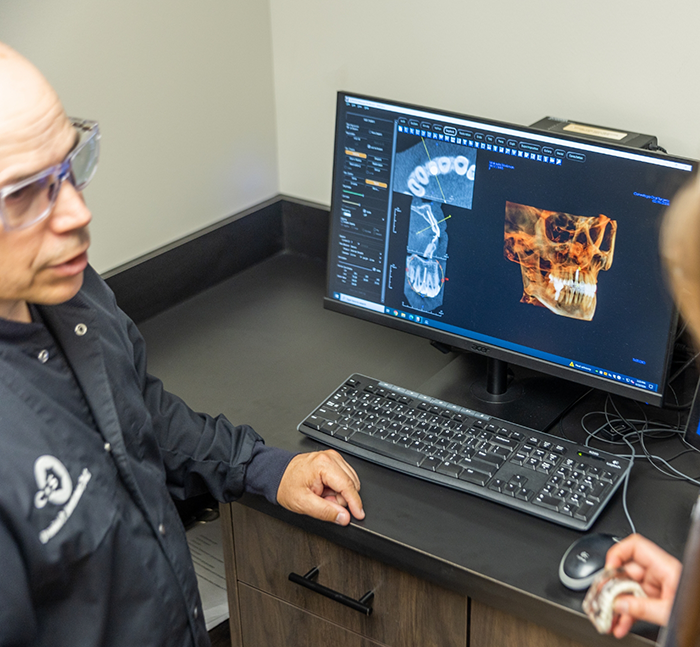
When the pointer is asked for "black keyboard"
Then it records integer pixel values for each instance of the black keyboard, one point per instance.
(529, 470)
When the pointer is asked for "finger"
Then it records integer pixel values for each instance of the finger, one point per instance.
(345, 466)
(651, 610)
(317, 484)
(642, 551)
(622, 626)
(341, 483)
(623, 551)
(325, 508)
(635, 571)
(335, 497)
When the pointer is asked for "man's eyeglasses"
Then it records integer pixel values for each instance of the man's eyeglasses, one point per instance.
(27, 202)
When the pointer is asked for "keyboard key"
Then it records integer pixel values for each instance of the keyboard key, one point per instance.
(584, 511)
(329, 427)
(431, 463)
(472, 476)
(544, 467)
(478, 465)
(449, 469)
(328, 413)
(442, 454)
(549, 502)
(314, 421)
(568, 510)
(524, 494)
(599, 488)
(403, 454)
(497, 485)
(345, 433)
(519, 458)
(490, 457)
(504, 442)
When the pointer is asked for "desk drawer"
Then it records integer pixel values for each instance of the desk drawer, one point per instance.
(406, 611)
(280, 623)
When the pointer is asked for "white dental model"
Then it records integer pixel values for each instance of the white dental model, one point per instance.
(600, 599)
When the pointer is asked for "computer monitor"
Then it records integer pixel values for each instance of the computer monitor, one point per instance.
(535, 248)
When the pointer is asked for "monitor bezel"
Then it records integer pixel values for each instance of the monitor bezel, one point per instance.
(464, 343)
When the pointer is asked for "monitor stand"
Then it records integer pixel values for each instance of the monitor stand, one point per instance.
(526, 397)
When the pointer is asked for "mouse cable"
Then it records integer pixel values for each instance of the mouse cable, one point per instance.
(624, 489)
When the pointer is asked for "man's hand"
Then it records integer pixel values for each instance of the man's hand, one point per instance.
(657, 572)
(321, 485)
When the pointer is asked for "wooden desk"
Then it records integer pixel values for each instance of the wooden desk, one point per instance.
(260, 348)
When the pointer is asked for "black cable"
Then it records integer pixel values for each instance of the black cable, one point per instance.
(637, 431)
(682, 330)
(682, 368)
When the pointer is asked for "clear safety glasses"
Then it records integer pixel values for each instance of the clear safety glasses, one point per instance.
(27, 202)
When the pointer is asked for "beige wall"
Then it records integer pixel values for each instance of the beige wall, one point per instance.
(210, 107)
(184, 95)
(630, 64)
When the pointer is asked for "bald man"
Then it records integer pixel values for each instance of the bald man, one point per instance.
(92, 551)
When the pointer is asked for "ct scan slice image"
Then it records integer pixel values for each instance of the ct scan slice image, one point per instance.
(426, 255)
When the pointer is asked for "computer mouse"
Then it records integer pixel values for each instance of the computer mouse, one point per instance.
(584, 559)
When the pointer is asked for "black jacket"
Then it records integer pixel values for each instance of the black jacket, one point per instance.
(92, 551)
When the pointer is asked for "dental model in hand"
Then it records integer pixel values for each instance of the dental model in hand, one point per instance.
(600, 599)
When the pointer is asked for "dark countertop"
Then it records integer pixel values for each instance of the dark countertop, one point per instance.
(261, 349)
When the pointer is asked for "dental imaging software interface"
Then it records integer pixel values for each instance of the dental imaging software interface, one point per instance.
(533, 244)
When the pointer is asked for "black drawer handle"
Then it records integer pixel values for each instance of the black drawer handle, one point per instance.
(309, 581)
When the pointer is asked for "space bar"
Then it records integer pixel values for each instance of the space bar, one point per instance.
(386, 448)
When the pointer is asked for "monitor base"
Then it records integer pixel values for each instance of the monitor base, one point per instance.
(530, 399)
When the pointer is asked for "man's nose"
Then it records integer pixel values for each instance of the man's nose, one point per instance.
(70, 211)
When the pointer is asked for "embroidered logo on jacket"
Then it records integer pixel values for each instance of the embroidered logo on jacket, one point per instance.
(55, 486)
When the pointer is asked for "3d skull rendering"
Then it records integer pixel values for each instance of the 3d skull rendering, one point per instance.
(560, 256)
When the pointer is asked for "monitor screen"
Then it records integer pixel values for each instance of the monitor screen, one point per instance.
(536, 248)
